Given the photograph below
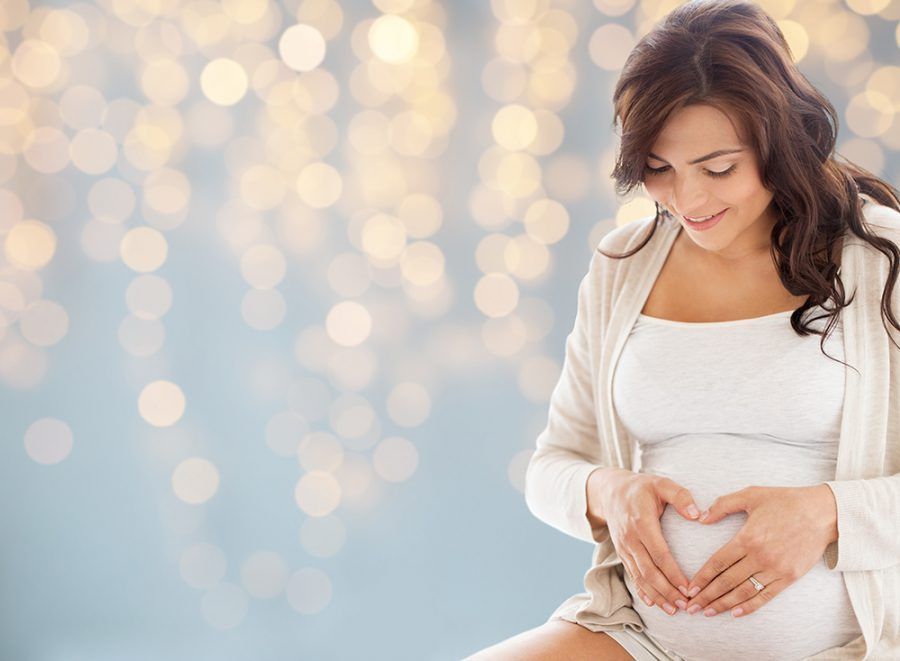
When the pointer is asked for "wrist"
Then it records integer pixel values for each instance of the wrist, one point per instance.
(600, 484)
(829, 511)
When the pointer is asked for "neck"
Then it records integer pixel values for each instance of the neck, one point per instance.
(760, 256)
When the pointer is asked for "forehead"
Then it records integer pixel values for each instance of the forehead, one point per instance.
(695, 130)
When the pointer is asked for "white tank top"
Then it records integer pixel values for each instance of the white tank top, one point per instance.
(717, 406)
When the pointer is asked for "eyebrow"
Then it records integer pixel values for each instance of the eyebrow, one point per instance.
(718, 152)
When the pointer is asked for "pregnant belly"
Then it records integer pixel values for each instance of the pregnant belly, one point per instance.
(810, 615)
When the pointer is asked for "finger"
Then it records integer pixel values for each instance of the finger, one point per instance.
(726, 581)
(743, 591)
(662, 557)
(653, 578)
(635, 576)
(649, 595)
(729, 503)
(629, 565)
(680, 498)
(717, 563)
(645, 598)
(762, 597)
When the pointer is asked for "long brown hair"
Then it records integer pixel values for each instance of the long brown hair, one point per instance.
(730, 54)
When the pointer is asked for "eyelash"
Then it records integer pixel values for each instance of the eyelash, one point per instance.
(715, 175)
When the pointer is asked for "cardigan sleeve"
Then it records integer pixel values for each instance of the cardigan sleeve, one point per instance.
(568, 448)
(868, 509)
(868, 519)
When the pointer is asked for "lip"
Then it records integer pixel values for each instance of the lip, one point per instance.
(707, 224)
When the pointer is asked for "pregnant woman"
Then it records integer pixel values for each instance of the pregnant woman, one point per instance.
(726, 427)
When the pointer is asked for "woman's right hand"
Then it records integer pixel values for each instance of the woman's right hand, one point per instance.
(632, 505)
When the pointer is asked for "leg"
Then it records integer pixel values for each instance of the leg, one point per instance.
(556, 640)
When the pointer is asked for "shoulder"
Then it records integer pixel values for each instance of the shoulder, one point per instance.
(624, 237)
(873, 264)
(882, 220)
(878, 219)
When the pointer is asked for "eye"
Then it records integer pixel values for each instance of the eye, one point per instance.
(723, 173)
(710, 173)
(650, 170)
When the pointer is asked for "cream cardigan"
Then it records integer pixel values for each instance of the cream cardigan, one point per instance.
(583, 432)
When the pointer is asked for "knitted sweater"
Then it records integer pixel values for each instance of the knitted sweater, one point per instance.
(583, 431)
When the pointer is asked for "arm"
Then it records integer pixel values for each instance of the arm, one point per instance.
(868, 520)
(868, 509)
(568, 449)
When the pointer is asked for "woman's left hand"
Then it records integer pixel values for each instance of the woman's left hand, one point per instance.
(786, 533)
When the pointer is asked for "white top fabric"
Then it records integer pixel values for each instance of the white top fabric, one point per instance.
(718, 406)
(584, 432)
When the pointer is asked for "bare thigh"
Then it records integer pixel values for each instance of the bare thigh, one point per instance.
(556, 640)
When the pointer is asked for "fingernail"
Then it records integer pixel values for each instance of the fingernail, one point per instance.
(694, 591)
(669, 608)
(693, 511)
(693, 610)
(647, 600)
(737, 611)
(683, 591)
(704, 515)
(709, 611)
(681, 604)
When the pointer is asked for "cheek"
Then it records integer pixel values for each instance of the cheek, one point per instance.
(737, 190)
(744, 189)
(655, 189)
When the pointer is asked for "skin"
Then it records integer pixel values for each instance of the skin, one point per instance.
(742, 237)
(786, 534)
(788, 529)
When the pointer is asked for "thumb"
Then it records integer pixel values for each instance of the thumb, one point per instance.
(725, 505)
(680, 498)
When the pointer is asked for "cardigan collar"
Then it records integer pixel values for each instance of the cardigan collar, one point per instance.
(635, 290)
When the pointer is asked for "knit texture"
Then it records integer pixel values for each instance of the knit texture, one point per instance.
(583, 432)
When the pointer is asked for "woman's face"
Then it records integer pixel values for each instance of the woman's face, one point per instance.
(726, 181)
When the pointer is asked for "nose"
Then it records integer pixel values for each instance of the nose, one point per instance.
(689, 198)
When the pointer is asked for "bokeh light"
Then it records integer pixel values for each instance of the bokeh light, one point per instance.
(329, 223)
(302, 47)
(317, 493)
(144, 249)
(48, 441)
(161, 403)
(195, 480)
(264, 574)
(44, 323)
(149, 296)
(30, 244)
(393, 39)
(223, 81)
(202, 565)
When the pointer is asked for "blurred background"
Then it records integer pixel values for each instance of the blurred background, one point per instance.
(284, 292)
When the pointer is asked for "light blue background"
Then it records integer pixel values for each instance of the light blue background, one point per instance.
(449, 562)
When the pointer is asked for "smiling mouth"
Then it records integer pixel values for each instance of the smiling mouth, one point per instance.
(705, 218)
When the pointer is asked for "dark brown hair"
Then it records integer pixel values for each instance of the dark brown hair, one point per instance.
(731, 55)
